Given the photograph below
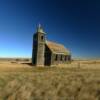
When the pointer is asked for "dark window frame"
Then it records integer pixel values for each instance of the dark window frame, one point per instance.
(61, 57)
(42, 37)
(65, 58)
(69, 58)
(56, 57)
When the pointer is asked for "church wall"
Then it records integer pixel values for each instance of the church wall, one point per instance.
(47, 56)
(34, 50)
(59, 59)
(38, 49)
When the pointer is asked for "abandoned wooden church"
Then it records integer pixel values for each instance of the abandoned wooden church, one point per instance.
(47, 53)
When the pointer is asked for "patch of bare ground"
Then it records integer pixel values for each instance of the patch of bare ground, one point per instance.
(75, 81)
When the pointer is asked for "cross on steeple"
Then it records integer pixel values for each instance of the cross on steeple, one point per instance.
(39, 26)
(40, 29)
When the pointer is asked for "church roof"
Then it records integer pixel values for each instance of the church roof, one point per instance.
(57, 48)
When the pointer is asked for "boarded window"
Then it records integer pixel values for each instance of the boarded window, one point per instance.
(61, 57)
(69, 58)
(65, 58)
(56, 58)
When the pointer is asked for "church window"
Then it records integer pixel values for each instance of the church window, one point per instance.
(69, 58)
(56, 58)
(61, 57)
(65, 58)
(42, 37)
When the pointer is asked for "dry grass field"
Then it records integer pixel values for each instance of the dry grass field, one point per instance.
(79, 80)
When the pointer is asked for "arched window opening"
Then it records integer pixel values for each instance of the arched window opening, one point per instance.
(42, 37)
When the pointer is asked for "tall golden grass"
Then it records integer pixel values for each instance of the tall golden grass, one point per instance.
(56, 83)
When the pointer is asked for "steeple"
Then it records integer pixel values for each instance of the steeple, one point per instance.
(38, 56)
(40, 29)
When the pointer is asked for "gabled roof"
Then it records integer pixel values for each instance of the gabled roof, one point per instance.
(57, 48)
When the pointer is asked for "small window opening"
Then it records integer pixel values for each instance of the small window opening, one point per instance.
(42, 37)
(56, 58)
(65, 58)
(61, 57)
(69, 58)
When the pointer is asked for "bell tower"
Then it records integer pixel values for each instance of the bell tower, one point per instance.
(38, 47)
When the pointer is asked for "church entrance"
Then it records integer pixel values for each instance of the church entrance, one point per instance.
(47, 60)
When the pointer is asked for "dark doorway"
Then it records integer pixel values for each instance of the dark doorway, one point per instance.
(47, 56)
(47, 59)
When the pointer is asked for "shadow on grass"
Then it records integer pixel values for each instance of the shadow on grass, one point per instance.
(29, 64)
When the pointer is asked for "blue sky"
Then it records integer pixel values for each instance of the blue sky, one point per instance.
(74, 23)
